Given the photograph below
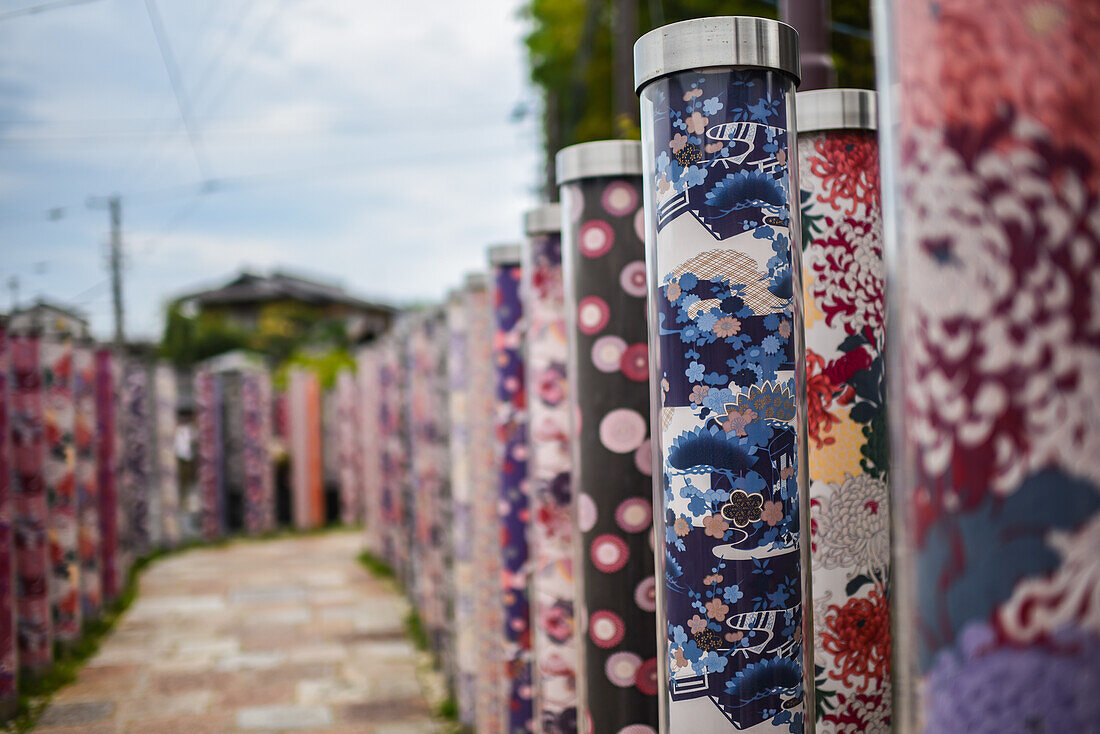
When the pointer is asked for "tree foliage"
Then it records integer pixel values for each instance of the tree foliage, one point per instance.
(570, 51)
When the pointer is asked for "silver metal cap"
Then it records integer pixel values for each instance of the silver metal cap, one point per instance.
(546, 219)
(733, 40)
(836, 109)
(505, 255)
(476, 281)
(599, 158)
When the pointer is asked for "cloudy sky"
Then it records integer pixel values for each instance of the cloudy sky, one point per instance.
(372, 143)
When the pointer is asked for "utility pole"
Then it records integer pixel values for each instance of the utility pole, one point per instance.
(811, 19)
(115, 205)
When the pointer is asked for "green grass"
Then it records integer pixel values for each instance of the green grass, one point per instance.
(36, 691)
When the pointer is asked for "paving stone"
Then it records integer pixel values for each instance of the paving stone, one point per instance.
(77, 714)
(284, 718)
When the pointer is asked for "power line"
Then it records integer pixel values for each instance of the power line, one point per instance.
(43, 7)
(177, 84)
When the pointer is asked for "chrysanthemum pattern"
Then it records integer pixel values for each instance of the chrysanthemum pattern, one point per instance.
(844, 273)
(998, 336)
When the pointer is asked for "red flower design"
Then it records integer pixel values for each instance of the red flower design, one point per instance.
(858, 637)
(847, 164)
(819, 396)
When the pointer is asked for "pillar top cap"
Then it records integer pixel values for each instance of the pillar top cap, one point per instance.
(475, 281)
(836, 109)
(599, 158)
(544, 219)
(732, 40)
(505, 255)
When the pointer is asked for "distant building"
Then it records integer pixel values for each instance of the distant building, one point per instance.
(283, 303)
(51, 320)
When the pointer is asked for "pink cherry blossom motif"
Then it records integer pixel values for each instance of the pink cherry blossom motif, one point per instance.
(643, 458)
(697, 624)
(716, 610)
(645, 595)
(634, 515)
(696, 124)
(595, 238)
(609, 553)
(607, 353)
(592, 315)
(646, 678)
(632, 279)
(636, 729)
(635, 363)
(572, 201)
(639, 224)
(606, 629)
(622, 430)
(619, 198)
(586, 512)
(621, 668)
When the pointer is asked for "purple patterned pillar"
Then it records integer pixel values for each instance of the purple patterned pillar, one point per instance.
(370, 436)
(512, 449)
(8, 694)
(459, 401)
(85, 438)
(106, 421)
(258, 469)
(35, 631)
(991, 152)
(728, 375)
(208, 453)
(842, 275)
(605, 279)
(138, 486)
(549, 465)
(59, 474)
(488, 607)
(346, 405)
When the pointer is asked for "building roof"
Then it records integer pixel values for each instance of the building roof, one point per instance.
(41, 304)
(252, 288)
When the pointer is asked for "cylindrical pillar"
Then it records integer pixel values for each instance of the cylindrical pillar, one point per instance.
(208, 453)
(59, 474)
(551, 533)
(9, 699)
(842, 274)
(459, 401)
(165, 417)
(137, 488)
(85, 438)
(727, 371)
(488, 611)
(259, 478)
(991, 158)
(345, 404)
(304, 405)
(106, 423)
(514, 492)
(370, 448)
(605, 283)
(28, 436)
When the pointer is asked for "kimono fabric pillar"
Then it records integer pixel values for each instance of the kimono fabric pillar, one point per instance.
(8, 694)
(395, 456)
(165, 399)
(209, 453)
(992, 143)
(842, 275)
(347, 442)
(551, 532)
(512, 449)
(59, 473)
(259, 472)
(304, 408)
(28, 445)
(605, 282)
(369, 448)
(106, 423)
(459, 400)
(488, 611)
(431, 479)
(727, 373)
(87, 482)
(140, 497)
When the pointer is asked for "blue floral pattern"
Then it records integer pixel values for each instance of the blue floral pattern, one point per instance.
(726, 324)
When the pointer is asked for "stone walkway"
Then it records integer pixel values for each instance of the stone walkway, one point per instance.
(277, 636)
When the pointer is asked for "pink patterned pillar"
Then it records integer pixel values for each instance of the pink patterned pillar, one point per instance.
(8, 694)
